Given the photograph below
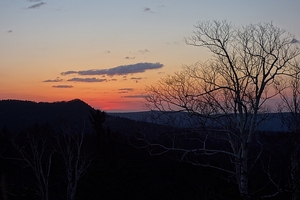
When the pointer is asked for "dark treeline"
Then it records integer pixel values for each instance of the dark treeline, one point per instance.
(101, 157)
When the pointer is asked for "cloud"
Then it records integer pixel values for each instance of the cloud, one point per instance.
(9, 31)
(87, 80)
(173, 43)
(125, 90)
(136, 78)
(68, 72)
(119, 70)
(144, 51)
(135, 96)
(147, 9)
(36, 5)
(130, 89)
(53, 80)
(62, 86)
(129, 58)
(107, 51)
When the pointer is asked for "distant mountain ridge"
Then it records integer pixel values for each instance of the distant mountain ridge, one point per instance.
(273, 122)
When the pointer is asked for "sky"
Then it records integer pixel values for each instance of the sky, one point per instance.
(106, 52)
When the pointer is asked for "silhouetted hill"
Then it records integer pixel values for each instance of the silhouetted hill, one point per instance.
(17, 114)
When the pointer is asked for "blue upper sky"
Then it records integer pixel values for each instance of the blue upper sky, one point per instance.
(41, 39)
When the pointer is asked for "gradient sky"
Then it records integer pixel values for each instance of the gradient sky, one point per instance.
(106, 52)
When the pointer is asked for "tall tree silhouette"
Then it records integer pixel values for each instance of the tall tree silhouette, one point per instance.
(229, 91)
(97, 118)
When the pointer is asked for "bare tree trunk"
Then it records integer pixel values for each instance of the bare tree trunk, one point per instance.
(296, 194)
(244, 173)
(72, 186)
(75, 158)
(295, 174)
(3, 186)
(36, 152)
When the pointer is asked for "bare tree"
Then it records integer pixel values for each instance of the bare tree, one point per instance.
(228, 92)
(36, 151)
(70, 145)
(289, 109)
(290, 99)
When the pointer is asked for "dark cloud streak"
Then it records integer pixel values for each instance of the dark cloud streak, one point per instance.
(68, 72)
(147, 9)
(129, 58)
(135, 96)
(87, 80)
(62, 86)
(36, 5)
(53, 80)
(136, 78)
(126, 89)
(119, 70)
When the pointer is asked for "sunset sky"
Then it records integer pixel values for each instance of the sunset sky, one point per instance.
(106, 52)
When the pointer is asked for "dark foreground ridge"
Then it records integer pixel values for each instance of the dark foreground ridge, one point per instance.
(109, 154)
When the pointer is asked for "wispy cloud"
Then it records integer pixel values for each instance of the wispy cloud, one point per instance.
(62, 86)
(125, 90)
(119, 70)
(9, 31)
(147, 9)
(87, 80)
(136, 78)
(144, 51)
(36, 5)
(129, 58)
(53, 80)
(107, 51)
(135, 96)
(173, 43)
(68, 72)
